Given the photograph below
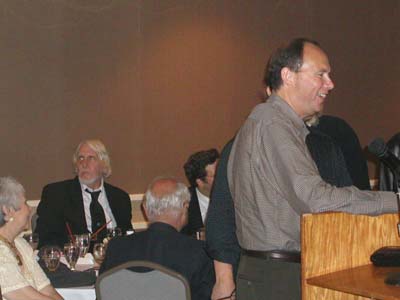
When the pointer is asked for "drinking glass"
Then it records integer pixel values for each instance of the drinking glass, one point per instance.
(99, 252)
(113, 232)
(71, 253)
(51, 257)
(32, 239)
(201, 234)
(83, 242)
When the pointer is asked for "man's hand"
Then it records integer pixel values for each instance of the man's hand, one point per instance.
(224, 287)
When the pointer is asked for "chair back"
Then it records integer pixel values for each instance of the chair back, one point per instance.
(123, 283)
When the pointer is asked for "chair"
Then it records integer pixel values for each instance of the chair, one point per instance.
(146, 281)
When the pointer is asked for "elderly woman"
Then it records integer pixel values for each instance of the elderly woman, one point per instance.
(20, 275)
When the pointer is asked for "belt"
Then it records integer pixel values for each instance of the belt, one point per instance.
(280, 255)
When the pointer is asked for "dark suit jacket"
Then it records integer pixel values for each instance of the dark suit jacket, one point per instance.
(346, 138)
(62, 202)
(195, 222)
(163, 244)
(386, 178)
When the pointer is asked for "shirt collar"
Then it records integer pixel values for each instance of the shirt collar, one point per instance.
(289, 113)
(161, 226)
(100, 188)
(201, 196)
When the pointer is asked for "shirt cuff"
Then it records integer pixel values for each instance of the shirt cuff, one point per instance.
(389, 202)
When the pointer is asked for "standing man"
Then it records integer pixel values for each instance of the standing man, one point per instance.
(200, 171)
(86, 203)
(273, 179)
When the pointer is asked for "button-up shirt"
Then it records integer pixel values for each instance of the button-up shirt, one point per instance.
(274, 180)
(204, 201)
(87, 199)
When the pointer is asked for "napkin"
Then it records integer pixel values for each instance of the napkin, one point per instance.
(63, 277)
(87, 260)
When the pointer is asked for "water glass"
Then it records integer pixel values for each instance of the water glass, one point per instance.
(51, 257)
(71, 254)
(99, 252)
(32, 239)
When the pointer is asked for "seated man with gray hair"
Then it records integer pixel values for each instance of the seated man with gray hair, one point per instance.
(86, 203)
(166, 205)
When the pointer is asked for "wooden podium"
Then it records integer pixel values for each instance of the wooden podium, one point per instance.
(335, 256)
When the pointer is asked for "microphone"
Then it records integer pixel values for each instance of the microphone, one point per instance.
(380, 149)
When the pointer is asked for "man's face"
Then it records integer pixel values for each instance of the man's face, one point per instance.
(205, 185)
(89, 167)
(312, 82)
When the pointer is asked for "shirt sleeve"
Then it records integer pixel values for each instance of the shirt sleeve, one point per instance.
(222, 243)
(11, 278)
(37, 278)
(297, 179)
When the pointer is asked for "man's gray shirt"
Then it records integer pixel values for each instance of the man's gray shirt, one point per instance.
(274, 180)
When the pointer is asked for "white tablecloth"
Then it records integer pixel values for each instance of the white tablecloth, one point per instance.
(81, 293)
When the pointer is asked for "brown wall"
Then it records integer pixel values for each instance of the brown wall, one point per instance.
(158, 80)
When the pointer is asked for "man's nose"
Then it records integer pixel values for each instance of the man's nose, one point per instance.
(84, 162)
(329, 83)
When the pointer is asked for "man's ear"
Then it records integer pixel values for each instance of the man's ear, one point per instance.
(144, 210)
(199, 182)
(268, 91)
(287, 76)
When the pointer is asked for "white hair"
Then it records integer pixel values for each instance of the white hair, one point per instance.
(11, 192)
(172, 202)
(101, 151)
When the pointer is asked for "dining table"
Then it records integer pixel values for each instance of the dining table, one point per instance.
(78, 293)
(78, 284)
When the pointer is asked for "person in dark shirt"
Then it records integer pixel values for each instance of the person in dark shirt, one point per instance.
(166, 205)
(199, 170)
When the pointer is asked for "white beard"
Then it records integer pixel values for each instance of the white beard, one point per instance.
(88, 182)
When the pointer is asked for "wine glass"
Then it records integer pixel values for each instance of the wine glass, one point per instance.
(99, 252)
(32, 239)
(114, 232)
(83, 242)
(51, 257)
(71, 253)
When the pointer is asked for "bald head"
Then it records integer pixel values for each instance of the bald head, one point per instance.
(166, 200)
(163, 186)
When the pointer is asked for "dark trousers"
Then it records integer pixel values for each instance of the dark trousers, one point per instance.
(263, 279)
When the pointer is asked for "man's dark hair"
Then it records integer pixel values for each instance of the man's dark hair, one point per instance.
(290, 56)
(195, 166)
